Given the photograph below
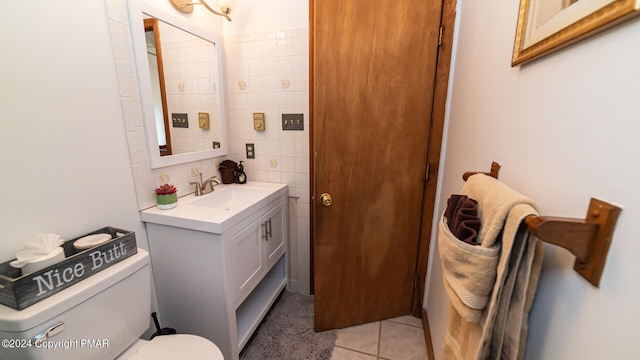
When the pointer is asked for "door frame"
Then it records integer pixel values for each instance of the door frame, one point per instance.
(441, 83)
(438, 112)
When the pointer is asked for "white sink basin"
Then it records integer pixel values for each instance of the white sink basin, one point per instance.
(230, 197)
(219, 210)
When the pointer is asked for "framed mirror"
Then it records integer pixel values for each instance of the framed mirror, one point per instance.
(181, 86)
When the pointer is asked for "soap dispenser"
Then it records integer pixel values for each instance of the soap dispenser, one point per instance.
(241, 177)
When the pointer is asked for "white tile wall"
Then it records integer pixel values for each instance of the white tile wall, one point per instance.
(190, 79)
(269, 72)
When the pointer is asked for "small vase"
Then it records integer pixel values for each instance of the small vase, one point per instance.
(167, 201)
(227, 175)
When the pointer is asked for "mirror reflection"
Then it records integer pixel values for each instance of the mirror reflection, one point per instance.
(183, 72)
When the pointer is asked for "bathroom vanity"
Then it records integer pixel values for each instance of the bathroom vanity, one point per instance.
(219, 261)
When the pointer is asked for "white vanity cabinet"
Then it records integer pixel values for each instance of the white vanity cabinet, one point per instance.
(220, 286)
(255, 249)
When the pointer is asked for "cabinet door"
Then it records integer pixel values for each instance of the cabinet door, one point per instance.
(247, 259)
(277, 233)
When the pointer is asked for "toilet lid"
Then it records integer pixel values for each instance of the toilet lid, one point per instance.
(181, 346)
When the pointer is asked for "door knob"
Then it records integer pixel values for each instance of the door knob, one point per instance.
(325, 199)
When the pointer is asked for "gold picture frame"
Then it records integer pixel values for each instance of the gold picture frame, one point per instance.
(545, 26)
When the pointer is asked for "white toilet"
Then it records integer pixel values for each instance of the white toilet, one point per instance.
(101, 317)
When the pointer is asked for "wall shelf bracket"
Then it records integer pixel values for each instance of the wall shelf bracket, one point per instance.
(588, 239)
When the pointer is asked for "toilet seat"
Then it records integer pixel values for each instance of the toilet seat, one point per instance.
(181, 346)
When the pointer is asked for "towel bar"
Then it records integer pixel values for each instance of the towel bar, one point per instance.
(587, 239)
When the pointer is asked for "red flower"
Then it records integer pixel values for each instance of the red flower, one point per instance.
(166, 189)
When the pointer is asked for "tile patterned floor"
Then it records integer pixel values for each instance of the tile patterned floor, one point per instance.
(400, 338)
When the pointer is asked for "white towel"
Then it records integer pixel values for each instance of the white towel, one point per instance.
(497, 330)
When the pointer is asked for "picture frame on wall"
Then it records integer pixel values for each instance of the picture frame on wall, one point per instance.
(545, 26)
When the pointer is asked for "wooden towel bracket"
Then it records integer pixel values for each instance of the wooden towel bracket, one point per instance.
(587, 239)
(495, 171)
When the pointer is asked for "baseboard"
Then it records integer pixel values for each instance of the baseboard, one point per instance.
(427, 335)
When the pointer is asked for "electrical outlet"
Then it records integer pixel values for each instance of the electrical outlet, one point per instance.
(292, 121)
(250, 149)
(180, 120)
(194, 173)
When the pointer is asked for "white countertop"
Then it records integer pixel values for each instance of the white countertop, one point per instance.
(219, 210)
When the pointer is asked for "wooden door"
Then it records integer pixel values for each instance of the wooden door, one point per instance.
(373, 68)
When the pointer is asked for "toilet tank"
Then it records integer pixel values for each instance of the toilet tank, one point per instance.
(97, 318)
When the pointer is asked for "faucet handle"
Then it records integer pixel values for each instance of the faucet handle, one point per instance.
(212, 181)
(213, 178)
(198, 191)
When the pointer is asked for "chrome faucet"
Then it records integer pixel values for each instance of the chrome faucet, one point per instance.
(201, 187)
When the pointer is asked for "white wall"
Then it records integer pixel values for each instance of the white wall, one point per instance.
(256, 16)
(63, 152)
(564, 129)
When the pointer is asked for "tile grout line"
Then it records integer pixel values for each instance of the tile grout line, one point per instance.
(379, 338)
(353, 350)
(402, 323)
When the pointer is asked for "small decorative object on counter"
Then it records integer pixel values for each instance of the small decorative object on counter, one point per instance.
(166, 196)
(241, 177)
(42, 251)
(227, 170)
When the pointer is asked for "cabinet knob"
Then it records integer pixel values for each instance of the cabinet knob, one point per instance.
(325, 199)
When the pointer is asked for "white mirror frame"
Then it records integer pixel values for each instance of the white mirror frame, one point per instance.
(136, 11)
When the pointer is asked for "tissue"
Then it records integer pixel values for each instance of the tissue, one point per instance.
(42, 250)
